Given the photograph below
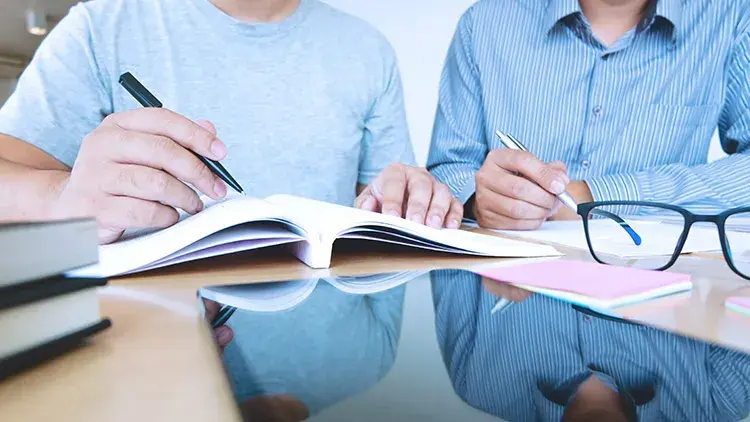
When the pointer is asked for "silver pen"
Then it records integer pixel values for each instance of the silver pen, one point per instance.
(511, 143)
(501, 306)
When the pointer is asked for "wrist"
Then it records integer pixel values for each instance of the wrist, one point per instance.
(51, 185)
(580, 191)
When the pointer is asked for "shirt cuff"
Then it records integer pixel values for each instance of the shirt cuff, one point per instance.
(617, 187)
(470, 187)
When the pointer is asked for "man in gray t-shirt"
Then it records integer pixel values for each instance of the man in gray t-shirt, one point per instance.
(308, 102)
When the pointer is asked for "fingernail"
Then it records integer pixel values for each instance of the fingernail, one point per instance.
(218, 149)
(453, 224)
(435, 221)
(558, 186)
(220, 189)
(416, 218)
(223, 335)
(369, 203)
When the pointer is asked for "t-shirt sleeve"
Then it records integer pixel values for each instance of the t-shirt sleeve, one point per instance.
(60, 97)
(386, 133)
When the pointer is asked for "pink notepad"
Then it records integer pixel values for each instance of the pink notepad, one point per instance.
(739, 304)
(591, 284)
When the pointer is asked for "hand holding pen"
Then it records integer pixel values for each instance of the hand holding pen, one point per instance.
(517, 191)
(137, 168)
(217, 315)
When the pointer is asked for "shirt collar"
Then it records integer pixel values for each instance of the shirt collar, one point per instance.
(557, 10)
(671, 11)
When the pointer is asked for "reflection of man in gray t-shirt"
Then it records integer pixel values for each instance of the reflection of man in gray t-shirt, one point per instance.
(330, 347)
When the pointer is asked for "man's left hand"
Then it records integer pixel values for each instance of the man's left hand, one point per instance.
(412, 193)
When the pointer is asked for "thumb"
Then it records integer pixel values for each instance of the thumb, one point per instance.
(205, 124)
(559, 165)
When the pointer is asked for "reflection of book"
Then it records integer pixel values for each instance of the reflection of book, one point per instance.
(278, 296)
(738, 304)
(244, 223)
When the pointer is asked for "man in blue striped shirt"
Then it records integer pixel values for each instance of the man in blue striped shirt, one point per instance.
(617, 100)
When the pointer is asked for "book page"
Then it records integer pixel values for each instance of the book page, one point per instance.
(659, 238)
(262, 297)
(373, 283)
(337, 221)
(143, 248)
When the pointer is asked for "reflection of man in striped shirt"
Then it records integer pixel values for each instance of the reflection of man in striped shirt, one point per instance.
(543, 360)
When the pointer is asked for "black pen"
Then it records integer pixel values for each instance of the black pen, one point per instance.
(147, 99)
(224, 314)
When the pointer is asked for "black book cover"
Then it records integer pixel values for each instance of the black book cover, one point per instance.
(22, 294)
(28, 358)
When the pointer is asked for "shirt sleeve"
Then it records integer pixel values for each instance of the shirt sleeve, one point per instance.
(709, 187)
(386, 133)
(730, 383)
(60, 97)
(458, 146)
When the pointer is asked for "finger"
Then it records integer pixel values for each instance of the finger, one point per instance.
(122, 212)
(223, 336)
(366, 201)
(391, 183)
(212, 309)
(152, 185)
(419, 188)
(440, 205)
(550, 178)
(509, 207)
(455, 215)
(163, 153)
(515, 187)
(163, 122)
(505, 291)
(559, 165)
(555, 209)
(491, 220)
(206, 124)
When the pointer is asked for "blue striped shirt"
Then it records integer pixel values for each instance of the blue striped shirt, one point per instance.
(634, 120)
(524, 364)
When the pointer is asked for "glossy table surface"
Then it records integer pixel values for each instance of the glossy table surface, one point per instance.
(158, 360)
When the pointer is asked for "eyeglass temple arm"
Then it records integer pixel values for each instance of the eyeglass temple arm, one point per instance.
(622, 223)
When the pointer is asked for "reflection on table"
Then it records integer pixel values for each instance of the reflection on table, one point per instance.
(544, 360)
(293, 363)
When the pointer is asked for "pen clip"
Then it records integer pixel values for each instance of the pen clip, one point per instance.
(510, 141)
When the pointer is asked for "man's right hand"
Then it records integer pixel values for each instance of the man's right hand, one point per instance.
(133, 171)
(516, 191)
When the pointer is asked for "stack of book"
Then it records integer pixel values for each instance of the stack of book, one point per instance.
(43, 313)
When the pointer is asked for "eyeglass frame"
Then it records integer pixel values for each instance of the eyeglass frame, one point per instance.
(690, 218)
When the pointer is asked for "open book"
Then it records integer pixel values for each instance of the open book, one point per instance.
(241, 223)
(283, 295)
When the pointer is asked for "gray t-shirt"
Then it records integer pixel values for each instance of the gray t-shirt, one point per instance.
(308, 106)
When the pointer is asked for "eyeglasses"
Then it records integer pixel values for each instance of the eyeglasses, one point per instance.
(618, 233)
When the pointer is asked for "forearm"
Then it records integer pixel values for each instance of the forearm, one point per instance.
(708, 187)
(27, 193)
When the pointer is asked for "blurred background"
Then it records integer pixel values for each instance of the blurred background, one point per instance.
(420, 31)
